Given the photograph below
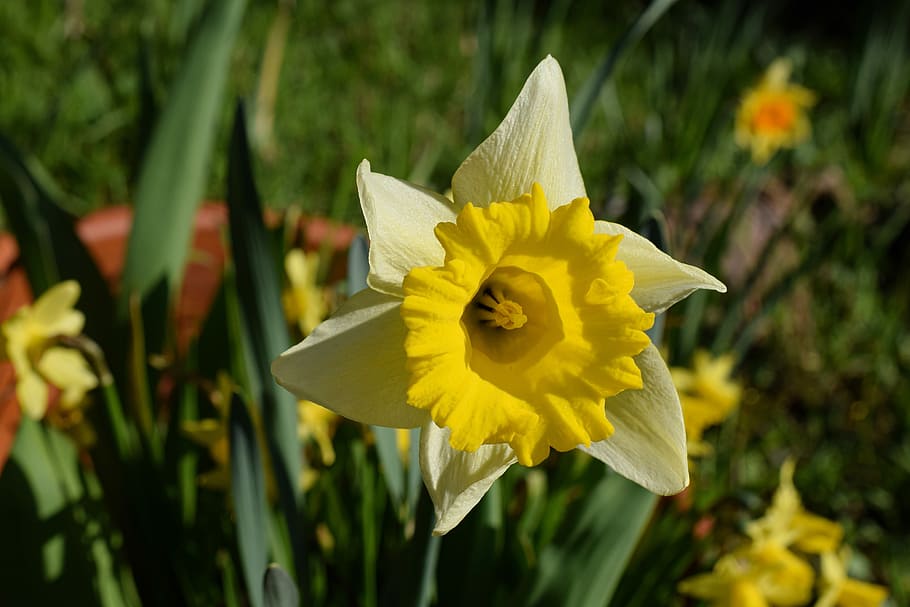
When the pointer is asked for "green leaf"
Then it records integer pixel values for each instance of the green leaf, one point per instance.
(358, 265)
(279, 588)
(597, 546)
(390, 462)
(259, 291)
(175, 167)
(48, 505)
(45, 232)
(248, 493)
(21, 199)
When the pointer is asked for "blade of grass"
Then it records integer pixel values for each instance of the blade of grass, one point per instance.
(188, 410)
(583, 103)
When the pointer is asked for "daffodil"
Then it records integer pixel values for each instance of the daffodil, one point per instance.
(31, 342)
(707, 395)
(842, 591)
(757, 575)
(506, 321)
(317, 423)
(772, 115)
(787, 522)
(304, 304)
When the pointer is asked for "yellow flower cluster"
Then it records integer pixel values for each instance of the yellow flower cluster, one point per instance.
(314, 424)
(773, 569)
(707, 395)
(32, 342)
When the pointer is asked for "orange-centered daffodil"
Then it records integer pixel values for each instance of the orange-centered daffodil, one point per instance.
(772, 115)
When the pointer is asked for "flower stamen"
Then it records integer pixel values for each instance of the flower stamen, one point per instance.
(497, 310)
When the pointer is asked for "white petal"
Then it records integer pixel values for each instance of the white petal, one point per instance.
(400, 220)
(354, 363)
(456, 480)
(660, 280)
(532, 144)
(649, 442)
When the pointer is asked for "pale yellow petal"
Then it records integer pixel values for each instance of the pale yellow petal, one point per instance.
(54, 312)
(68, 370)
(649, 442)
(705, 586)
(457, 480)
(32, 393)
(778, 73)
(532, 144)
(204, 432)
(400, 219)
(354, 364)
(660, 280)
(295, 266)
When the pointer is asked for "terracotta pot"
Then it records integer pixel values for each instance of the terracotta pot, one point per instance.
(14, 293)
(105, 235)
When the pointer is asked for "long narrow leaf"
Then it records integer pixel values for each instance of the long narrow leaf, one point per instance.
(173, 174)
(248, 493)
(597, 546)
(45, 232)
(20, 198)
(259, 291)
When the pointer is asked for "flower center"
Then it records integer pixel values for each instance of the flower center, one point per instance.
(774, 115)
(496, 310)
(510, 318)
(525, 330)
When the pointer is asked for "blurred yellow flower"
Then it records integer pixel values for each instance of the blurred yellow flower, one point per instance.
(317, 423)
(304, 302)
(506, 321)
(213, 433)
(403, 442)
(707, 395)
(757, 575)
(788, 523)
(772, 115)
(30, 339)
(841, 591)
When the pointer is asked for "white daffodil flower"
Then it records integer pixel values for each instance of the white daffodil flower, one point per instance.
(507, 321)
